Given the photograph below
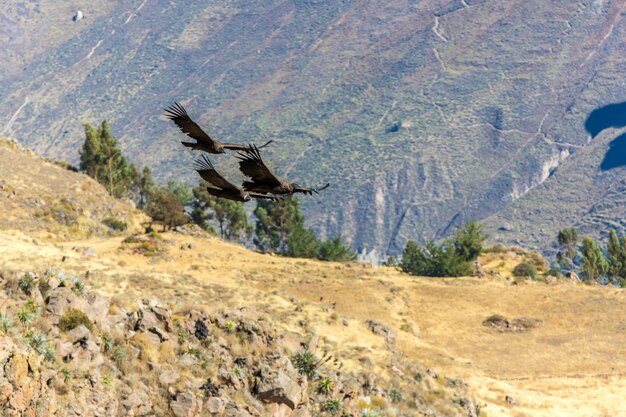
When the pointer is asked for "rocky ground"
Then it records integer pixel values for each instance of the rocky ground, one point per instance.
(68, 351)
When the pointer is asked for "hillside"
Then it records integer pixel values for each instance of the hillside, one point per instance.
(423, 338)
(421, 114)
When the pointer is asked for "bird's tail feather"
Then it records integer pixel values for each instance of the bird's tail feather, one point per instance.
(189, 144)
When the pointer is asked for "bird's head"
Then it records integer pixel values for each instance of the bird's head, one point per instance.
(247, 197)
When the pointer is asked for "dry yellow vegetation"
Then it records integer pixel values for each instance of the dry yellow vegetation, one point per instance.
(573, 364)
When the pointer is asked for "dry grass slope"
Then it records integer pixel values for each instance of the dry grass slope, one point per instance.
(574, 364)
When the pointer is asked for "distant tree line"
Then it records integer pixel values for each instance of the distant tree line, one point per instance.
(451, 258)
(279, 226)
(594, 264)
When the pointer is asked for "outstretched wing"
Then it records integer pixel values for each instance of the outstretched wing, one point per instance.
(204, 167)
(309, 191)
(252, 166)
(178, 115)
(245, 148)
(265, 196)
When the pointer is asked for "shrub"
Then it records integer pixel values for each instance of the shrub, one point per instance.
(115, 224)
(525, 269)
(325, 386)
(6, 324)
(332, 406)
(434, 261)
(335, 250)
(107, 341)
(306, 362)
(119, 355)
(28, 313)
(395, 396)
(40, 344)
(27, 283)
(74, 318)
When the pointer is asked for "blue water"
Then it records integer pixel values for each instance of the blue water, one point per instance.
(613, 115)
(616, 155)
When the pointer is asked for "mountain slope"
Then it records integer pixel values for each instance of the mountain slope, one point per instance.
(421, 115)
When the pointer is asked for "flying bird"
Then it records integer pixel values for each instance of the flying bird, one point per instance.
(263, 180)
(222, 187)
(179, 115)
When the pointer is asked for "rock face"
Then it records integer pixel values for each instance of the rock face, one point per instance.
(154, 362)
(23, 387)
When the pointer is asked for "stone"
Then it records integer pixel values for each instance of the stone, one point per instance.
(62, 299)
(169, 377)
(278, 388)
(90, 252)
(137, 403)
(185, 404)
(215, 405)
(78, 333)
(162, 335)
(382, 330)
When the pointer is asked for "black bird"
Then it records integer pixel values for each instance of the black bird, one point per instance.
(222, 187)
(263, 180)
(178, 115)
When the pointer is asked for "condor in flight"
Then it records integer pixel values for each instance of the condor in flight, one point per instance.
(263, 181)
(178, 115)
(222, 187)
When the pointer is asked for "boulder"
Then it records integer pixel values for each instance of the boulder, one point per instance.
(215, 405)
(185, 404)
(278, 388)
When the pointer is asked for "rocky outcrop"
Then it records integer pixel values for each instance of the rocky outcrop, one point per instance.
(103, 360)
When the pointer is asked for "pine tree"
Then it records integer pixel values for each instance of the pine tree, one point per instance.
(335, 250)
(276, 221)
(469, 240)
(146, 187)
(115, 173)
(594, 265)
(616, 255)
(90, 157)
(302, 243)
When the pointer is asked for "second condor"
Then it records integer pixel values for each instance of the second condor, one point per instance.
(263, 180)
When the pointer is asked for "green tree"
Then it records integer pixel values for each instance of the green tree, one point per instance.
(146, 187)
(335, 250)
(568, 239)
(102, 160)
(615, 255)
(182, 191)
(302, 242)
(90, 157)
(469, 240)
(115, 172)
(434, 260)
(165, 208)
(275, 222)
(230, 215)
(594, 265)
